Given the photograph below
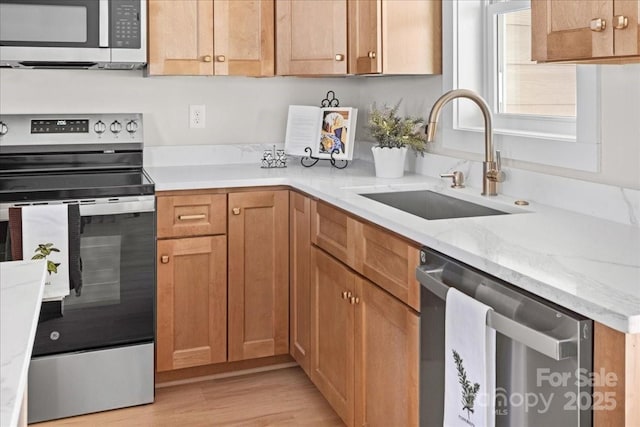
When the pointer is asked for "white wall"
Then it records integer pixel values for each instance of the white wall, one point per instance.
(248, 110)
(239, 110)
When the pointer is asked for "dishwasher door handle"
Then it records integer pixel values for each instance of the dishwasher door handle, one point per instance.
(532, 338)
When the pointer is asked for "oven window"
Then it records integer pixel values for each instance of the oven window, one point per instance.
(116, 303)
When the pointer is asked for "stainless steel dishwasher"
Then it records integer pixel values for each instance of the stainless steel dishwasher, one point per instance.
(543, 351)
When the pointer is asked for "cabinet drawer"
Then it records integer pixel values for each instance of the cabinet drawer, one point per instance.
(197, 215)
(390, 262)
(334, 231)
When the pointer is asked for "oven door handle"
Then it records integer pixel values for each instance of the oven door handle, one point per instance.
(122, 205)
(532, 338)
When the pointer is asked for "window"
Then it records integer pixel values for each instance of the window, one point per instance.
(543, 113)
(522, 86)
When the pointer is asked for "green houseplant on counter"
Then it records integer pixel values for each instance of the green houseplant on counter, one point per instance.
(394, 136)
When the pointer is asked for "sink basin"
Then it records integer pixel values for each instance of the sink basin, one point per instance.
(431, 205)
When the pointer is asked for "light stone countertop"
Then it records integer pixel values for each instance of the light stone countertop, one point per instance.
(586, 264)
(21, 291)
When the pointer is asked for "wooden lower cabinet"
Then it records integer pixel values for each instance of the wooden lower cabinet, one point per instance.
(300, 279)
(192, 302)
(364, 347)
(258, 232)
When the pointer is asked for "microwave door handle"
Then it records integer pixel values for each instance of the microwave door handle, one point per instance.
(539, 341)
(103, 24)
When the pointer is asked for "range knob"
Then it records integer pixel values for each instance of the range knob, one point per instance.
(99, 127)
(116, 127)
(132, 127)
(3, 129)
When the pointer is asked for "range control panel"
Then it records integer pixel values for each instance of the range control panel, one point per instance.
(38, 129)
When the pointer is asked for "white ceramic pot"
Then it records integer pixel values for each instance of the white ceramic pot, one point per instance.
(389, 161)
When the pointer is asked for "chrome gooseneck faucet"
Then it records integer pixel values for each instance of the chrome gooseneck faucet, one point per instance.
(491, 169)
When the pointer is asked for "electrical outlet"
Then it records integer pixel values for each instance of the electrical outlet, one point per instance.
(197, 116)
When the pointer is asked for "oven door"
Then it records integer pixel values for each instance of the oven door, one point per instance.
(116, 303)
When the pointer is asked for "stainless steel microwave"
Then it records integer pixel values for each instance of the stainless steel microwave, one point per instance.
(108, 34)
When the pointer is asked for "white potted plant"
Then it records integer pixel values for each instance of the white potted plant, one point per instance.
(394, 136)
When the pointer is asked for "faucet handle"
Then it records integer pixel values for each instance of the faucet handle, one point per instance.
(496, 174)
(457, 176)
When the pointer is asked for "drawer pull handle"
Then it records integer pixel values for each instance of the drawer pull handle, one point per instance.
(236, 211)
(191, 217)
(164, 259)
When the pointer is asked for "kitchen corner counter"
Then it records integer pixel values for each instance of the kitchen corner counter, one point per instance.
(21, 290)
(586, 264)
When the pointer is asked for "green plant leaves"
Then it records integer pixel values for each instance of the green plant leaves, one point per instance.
(469, 391)
(391, 130)
(43, 251)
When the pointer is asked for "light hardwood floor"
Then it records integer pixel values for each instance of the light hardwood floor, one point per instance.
(284, 397)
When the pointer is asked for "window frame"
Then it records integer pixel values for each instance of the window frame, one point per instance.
(548, 140)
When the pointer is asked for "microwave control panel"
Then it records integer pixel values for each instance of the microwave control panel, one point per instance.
(125, 24)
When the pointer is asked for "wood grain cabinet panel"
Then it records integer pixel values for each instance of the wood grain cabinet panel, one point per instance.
(332, 328)
(300, 279)
(311, 37)
(207, 37)
(334, 231)
(390, 262)
(192, 302)
(244, 37)
(258, 274)
(383, 35)
(386, 359)
(562, 30)
(194, 215)
(180, 37)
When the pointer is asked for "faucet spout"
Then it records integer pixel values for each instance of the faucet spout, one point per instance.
(491, 172)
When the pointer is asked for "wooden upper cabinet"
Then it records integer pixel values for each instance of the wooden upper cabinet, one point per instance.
(258, 232)
(589, 31)
(311, 37)
(243, 37)
(207, 37)
(180, 37)
(395, 37)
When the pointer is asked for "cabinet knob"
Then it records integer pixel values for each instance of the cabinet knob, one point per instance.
(371, 55)
(236, 211)
(207, 58)
(598, 25)
(346, 295)
(221, 58)
(620, 22)
(164, 259)
(354, 300)
(339, 57)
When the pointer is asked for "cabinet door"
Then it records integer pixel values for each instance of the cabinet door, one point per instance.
(627, 40)
(332, 346)
(365, 36)
(258, 274)
(311, 37)
(244, 37)
(300, 282)
(192, 302)
(386, 359)
(560, 29)
(180, 37)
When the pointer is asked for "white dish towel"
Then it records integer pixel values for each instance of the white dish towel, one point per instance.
(470, 363)
(47, 225)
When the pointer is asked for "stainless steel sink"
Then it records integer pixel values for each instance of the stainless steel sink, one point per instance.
(430, 205)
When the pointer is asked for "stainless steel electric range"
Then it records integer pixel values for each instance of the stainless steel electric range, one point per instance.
(94, 348)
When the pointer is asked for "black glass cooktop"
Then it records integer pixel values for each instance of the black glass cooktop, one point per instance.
(74, 186)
